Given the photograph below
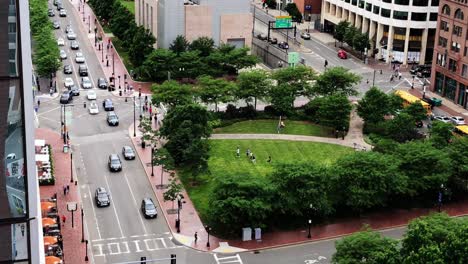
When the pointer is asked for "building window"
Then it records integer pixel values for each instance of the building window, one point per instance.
(433, 17)
(455, 46)
(442, 42)
(439, 83)
(459, 14)
(420, 2)
(376, 10)
(435, 3)
(444, 26)
(354, 2)
(457, 30)
(452, 66)
(385, 12)
(446, 10)
(387, 1)
(441, 58)
(419, 16)
(400, 15)
(450, 88)
(464, 72)
(361, 3)
(402, 2)
(368, 7)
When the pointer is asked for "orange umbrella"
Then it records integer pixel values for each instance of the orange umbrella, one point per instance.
(52, 260)
(46, 206)
(50, 240)
(47, 221)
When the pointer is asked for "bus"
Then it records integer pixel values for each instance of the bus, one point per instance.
(461, 130)
(409, 99)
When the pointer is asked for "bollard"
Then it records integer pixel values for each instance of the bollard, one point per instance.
(84, 104)
(120, 93)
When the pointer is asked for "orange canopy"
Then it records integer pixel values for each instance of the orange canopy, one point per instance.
(47, 221)
(46, 206)
(50, 240)
(52, 260)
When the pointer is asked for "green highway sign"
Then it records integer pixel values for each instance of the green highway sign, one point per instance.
(293, 58)
(283, 22)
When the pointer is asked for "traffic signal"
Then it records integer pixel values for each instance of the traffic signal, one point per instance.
(173, 258)
(143, 260)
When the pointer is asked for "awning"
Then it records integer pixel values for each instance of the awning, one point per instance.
(50, 240)
(53, 260)
(46, 206)
(47, 221)
(42, 157)
(39, 142)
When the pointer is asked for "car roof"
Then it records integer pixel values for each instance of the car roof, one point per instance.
(114, 156)
(148, 200)
(127, 147)
(101, 190)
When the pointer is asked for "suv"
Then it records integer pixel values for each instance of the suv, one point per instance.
(66, 97)
(148, 208)
(74, 90)
(83, 70)
(112, 119)
(102, 197)
(102, 83)
(108, 105)
(114, 163)
(128, 153)
(283, 45)
(417, 68)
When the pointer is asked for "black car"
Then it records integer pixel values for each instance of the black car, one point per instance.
(148, 208)
(56, 24)
(283, 45)
(418, 68)
(114, 163)
(112, 119)
(305, 35)
(108, 105)
(262, 36)
(51, 12)
(67, 69)
(102, 83)
(424, 73)
(74, 90)
(83, 70)
(66, 97)
(102, 197)
(128, 153)
(273, 40)
(74, 45)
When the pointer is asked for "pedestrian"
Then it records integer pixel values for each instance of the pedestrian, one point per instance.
(238, 152)
(51, 91)
(399, 75)
(391, 79)
(68, 189)
(393, 66)
(151, 110)
(326, 64)
(269, 159)
(253, 159)
(196, 237)
(247, 152)
(22, 230)
(38, 102)
(251, 155)
(64, 190)
(64, 218)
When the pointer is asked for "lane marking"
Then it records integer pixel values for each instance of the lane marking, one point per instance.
(136, 203)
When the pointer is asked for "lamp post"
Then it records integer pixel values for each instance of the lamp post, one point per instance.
(139, 107)
(89, 24)
(412, 84)
(86, 256)
(95, 35)
(310, 224)
(102, 51)
(179, 205)
(71, 165)
(112, 63)
(119, 81)
(152, 160)
(134, 117)
(83, 12)
(208, 231)
(439, 200)
(373, 79)
(82, 225)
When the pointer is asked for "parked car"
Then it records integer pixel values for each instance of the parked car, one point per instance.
(56, 24)
(83, 70)
(102, 83)
(102, 197)
(112, 119)
(74, 45)
(68, 29)
(66, 97)
(63, 55)
(93, 108)
(342, 54)
(443, 119)
(79, 58)
(50, 12)
(91, 95)
(86, 83)
(63, 12)
(108, 105)
(128, 153)
(60, 42)
(71, 35)
(283, 45)
(114, 163)
(305, 35)
(67, 69)
(417, 68)
(273, 40)
(74, 90)
(68, 82)
(148, 208)
(424, 73)
(262, 36)
(457, 120)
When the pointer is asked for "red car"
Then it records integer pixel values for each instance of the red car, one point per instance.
(342, 54)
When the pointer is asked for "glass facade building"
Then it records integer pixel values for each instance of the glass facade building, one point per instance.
(19, 200)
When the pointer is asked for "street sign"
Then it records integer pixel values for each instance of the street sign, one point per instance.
(283, 22)
(293, 58)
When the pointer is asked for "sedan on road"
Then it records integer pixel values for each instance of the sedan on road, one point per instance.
(69, 82)
(74, 90)
(273, 40)
(305, 35)
(93, 108)
(68, 29)
(112, 119)
(262, 36)
(102, 83)
(457, 120)
(56, 24)
(63, 13)
(60, 42)
(148, 208)
(79, 58)
(102, 197)
(51, 12)
(67, 69)
(128, 153)
(114, 163)
(443, 119)
(91, 95)
(108, 105)
(63, 55)
(71, 35)
(86, 83)
(283, 45)
(74, 45)
(66, 97)
(342, 54)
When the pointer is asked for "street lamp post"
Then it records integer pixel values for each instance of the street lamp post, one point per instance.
(86, 256)
(310, 224)
(439, 200)
(412, 84)
(139, 107)
(71, 165)
(208, 231)
(102, 51)
(119, 81)
(82, 225)
(112, 63)
(179, 206)
(152, 160)
(89, 24)
(134, 117)
(83, 12)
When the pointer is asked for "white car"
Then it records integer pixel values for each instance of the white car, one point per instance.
(93, 108)
(60, 42)
(71, 35)
(91, 95)
(69, 82)
(63, 55)
(443, 119)
(457, 120)
(86, 83)
(79, 58)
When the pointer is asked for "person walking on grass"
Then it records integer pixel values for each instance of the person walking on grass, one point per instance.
(247, 152)
(269, 159)
(238, 152)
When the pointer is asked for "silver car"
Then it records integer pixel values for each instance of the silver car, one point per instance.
(457, 120)
(71, 35)
(86, 83)
(79, 58)
(63, 55)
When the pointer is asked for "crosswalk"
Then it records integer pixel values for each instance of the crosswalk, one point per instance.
(235, 259)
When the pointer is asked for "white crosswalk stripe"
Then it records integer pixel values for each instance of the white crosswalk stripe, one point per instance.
(135, 244)
(235, 259)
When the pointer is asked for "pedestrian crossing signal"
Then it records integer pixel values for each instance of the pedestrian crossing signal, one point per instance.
(173, 259)
(143, 260)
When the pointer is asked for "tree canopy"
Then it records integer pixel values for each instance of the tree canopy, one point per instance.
(172, 93)
(336, 80)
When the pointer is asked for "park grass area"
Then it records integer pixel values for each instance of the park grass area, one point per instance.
(130, 5)
(123, 54)
(271, 126)
(223, 161)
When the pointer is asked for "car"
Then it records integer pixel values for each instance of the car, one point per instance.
(102, 197)
(67, 69)
(60, 42)
(71, 35)
(79, 58)
(56, 2)
(424, 73)
(102, 83)
(443, 119)
(86, 83)
(305, 35)
(93, 108)
(83, 70)
(148, 208)
(59, 6)
(68, 29)
(68, 82)
(50, 12)
(342, 54)
(273, 40)
(75, 91)
(114, 163)
(66, 97)
(457, 120)
(91, 95)
(63, 12)
(128, 153)
(63, 55)
(108, 105)
(74, 45)
(417, 68)
(56, 24)
(283, 45)
(112, 119)
(262, 36)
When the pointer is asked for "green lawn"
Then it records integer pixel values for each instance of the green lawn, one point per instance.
(270, 127)
(123, 54)
(130, 5)
(223, 161)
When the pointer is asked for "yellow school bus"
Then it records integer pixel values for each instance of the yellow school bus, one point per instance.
(409, 99)
(462, 130)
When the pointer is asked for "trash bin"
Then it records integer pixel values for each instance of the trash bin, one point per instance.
(65, 148)
(437, 101)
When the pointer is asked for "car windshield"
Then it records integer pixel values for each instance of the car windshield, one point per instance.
(128, 150)
(149, 206)
(102, 196)
(115, 161)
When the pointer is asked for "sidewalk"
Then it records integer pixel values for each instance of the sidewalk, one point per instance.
(74, 250)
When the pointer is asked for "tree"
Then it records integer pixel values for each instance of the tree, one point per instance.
(340, 30)
(458, 151)
(294, 12)
(103, 8)
(441, 134)
(349, 35)
(416, 110)
(157, 65)
(142, 45)
(366, 246)
(402, 128)
(297, 79)
(149, 134)
(374, 106)
(203, 44)
(253, 85)
(188, 64)
(179, 45)
(213, 91)
(122, 23)
(282, 98)
(361, 42)
(336, 80)
(173, 192)
(334, 112)
(271, 4)
(234, 58)
(162, 157)
(172, 93)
